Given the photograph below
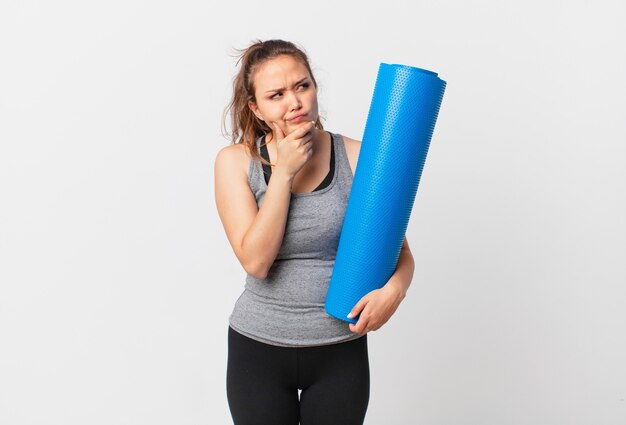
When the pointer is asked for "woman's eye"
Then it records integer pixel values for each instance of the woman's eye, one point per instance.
(305, 85)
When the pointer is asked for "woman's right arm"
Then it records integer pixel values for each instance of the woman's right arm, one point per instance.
(254, 234)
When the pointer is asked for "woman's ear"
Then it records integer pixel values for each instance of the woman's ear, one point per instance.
(255, 109)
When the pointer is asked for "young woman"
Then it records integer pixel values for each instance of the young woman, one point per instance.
(281, 192)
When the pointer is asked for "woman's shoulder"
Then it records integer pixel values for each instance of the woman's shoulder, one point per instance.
(235, 155)
(353, 147)
(350, 141)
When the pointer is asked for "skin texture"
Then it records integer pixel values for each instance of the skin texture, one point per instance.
(300, 154)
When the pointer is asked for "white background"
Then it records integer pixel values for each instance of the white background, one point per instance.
(116, 275)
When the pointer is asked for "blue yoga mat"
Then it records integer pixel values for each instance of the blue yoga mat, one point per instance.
(398, 130)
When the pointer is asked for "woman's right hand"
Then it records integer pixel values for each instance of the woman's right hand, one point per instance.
(295, 149)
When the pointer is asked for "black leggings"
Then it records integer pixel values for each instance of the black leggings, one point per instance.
(262, 382)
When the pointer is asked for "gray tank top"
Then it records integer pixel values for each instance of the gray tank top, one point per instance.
(287, 307)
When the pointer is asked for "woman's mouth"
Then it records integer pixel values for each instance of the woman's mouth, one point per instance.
(298, 118)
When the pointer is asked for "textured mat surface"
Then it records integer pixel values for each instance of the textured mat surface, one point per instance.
(398, 130)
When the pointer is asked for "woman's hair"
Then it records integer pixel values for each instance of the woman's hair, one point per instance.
(246, 127)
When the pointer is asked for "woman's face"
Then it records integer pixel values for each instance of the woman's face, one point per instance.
(285, 93)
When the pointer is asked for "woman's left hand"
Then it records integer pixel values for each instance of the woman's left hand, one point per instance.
(376, 308)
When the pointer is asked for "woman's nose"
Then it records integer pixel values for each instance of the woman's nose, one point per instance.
(294, 101)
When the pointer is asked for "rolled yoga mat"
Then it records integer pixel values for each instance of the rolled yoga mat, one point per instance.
(399, 126)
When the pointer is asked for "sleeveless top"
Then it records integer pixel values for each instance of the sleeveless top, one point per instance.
(287, 307)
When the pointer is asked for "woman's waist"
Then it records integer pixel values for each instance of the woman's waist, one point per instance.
(291, 284)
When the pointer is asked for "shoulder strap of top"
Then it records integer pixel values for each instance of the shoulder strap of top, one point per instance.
(267, 170)
(331, 172)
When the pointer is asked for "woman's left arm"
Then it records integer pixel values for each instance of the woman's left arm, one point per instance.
(379, 305)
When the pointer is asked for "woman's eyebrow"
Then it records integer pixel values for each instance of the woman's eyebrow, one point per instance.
(282, 88)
